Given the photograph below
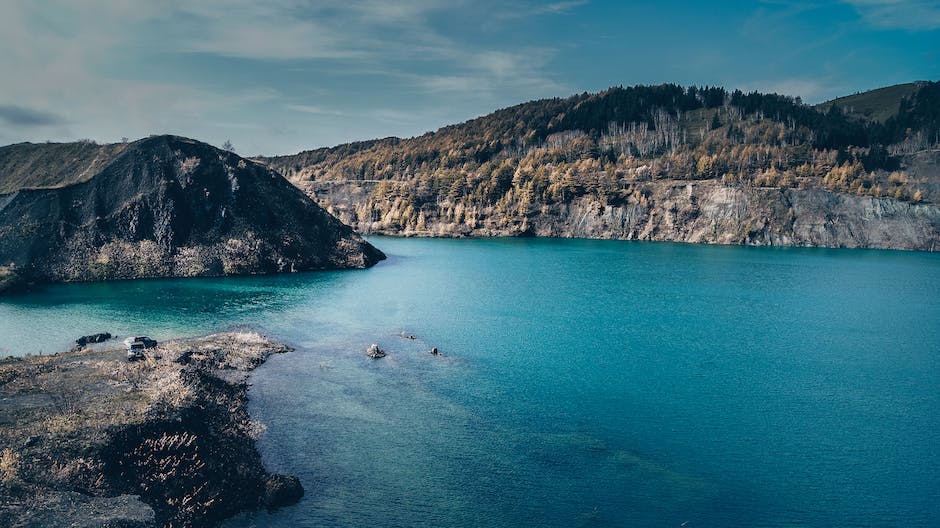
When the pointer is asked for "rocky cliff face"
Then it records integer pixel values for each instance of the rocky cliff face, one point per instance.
(168, 206)
(660, 162)
(697, 212)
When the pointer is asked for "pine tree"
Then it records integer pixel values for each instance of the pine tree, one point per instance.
(716, 123)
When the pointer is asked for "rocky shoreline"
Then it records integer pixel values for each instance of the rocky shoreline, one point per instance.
(90, 439)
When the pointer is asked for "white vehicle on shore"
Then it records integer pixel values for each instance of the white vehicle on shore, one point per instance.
(137, 345)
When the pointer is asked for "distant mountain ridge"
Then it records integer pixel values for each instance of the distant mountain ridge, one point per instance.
(867, 163)
(163, 206)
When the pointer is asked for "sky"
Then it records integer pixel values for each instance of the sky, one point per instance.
(281, 76)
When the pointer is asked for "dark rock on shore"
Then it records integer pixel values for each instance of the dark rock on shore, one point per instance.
(282, 490)
(70, 509)
(164, 206)
(10, 280)
(96, 441)
(93, 338)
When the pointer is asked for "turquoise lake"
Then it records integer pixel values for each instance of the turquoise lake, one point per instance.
(582, 383)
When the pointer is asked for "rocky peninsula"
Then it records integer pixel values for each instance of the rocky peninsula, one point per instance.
(163, 206)
(88, 438)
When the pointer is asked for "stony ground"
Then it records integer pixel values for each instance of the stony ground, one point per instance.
(90, 439)
(9, 279)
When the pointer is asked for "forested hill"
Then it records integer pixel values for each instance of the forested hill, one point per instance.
(615, 158)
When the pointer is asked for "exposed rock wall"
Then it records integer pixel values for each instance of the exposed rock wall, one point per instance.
(697, 212)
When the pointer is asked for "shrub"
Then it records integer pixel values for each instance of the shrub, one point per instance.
(9, 465)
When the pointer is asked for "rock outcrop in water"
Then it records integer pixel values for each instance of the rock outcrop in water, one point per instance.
(89, 439)
(375, 352)
(164, 206)
(100, 337)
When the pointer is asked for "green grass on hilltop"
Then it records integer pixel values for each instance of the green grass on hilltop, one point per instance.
(875, 105)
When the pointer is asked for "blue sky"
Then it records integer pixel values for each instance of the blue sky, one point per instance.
(280, 76)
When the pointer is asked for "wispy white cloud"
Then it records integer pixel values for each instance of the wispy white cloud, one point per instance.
(294, 30)
(388, 115)
(526, 9)
(280, 75)
(772, 19)
(913, 15)
(391, 115)
(490, 72)
(313, 109)
(560, 7)
(272, 41)
(76, 63)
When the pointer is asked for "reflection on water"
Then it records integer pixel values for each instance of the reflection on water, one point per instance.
(49, 319)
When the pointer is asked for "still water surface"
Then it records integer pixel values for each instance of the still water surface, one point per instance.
(583, 383)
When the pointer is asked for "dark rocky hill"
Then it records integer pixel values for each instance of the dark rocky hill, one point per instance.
(163, 206)
(654, 163)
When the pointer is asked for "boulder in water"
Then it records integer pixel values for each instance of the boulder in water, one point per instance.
(282, 490)
(375, 352)
(93, 338)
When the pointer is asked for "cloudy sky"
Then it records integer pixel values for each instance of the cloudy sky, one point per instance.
(280, 76)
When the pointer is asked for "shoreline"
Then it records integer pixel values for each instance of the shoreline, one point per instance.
(88, 438)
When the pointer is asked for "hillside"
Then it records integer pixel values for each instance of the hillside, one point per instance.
(51, 165)
(875, 105)
(159, 207)
(653, 162)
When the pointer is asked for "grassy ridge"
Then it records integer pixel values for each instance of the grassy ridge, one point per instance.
(875, 105)
(52, 165)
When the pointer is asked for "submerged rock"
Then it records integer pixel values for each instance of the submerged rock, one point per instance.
(375, 352)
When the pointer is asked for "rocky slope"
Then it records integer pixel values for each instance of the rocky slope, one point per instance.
(654, 163)
(162, 206)
(90, 439)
